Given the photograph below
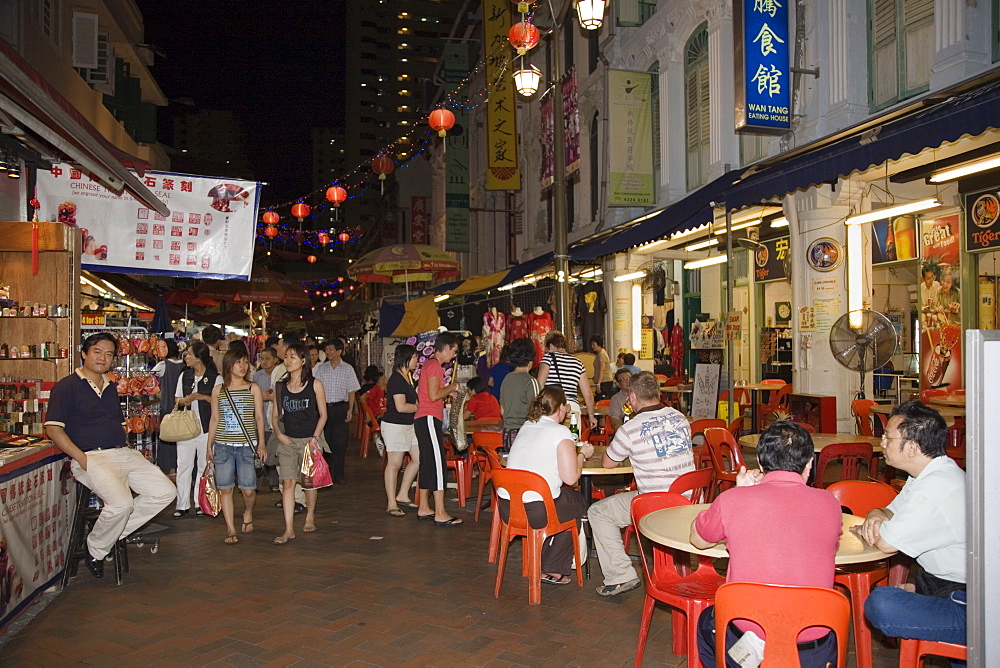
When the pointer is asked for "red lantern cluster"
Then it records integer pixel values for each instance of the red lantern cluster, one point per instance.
(336, 194)
(323, 238)
(271, 231)
(382, 165)
(441, 120)
(300, 210)
(271, 217)
(523, 36)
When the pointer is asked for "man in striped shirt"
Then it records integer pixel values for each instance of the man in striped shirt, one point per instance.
(657, 442)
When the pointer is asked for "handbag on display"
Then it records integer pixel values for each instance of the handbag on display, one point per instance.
(209, 497)
(314, 472)
(179, 425)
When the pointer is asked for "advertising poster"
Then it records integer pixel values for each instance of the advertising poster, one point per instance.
(771, 262)
(763, 76)
(622, 324)
(894, 239)
(982, 211)
(571, 122)
(630, 113)
(548, 138)
(940, 304)
(503, 172)
(36, 506)
(209, 233)
(825, 304)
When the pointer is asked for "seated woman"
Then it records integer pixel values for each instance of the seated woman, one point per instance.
(546, 447)
(482, 405)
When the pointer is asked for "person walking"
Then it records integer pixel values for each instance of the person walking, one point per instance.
(194, 390)
(397, 430)
(339, 384)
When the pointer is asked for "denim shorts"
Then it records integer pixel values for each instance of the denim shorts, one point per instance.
(234, 463)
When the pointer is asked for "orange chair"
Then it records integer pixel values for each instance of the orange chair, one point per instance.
(911, 651)
(487, 442)
(462, 468)
(782, 611)
(699, 483)
(699, 426)
(370, 426)
(861, 496)
(927, 395)
(851, 456)
(495, 464)
(808, 427)
(862, 409)
(726, 458)
(688, 595)
(736, 428)
(777, 402)
(516, 483)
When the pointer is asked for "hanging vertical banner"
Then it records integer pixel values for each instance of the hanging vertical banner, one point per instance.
(630, 113)
(548, 138)
(503, 172)
(941, 304)
(418, 220)
(456, 190)
(763, 80)
(571, 122)
(209, 233)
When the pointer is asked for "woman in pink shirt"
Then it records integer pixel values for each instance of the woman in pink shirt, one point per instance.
(427, 422)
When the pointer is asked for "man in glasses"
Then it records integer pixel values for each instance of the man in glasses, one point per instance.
(927, 522)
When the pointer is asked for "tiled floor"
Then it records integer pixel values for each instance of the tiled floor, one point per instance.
(366, 589)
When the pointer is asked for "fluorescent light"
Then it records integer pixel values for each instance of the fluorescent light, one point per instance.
(702, 244)
(959, 171)
(134, 305)
(114, 287)
(441, 298)
(636, 316)
(855, 275)
(707, 262)
(629, 277)
(86, 281)
(591, 273)
(888, 212)
(779, 222)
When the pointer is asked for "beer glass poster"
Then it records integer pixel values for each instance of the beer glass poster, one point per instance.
(940, 304)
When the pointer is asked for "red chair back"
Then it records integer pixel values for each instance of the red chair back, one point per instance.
(808, 427)
(702, 457)
(862, 409)
(727, 458)
(699, 426)
(862, 496)
(911, 651)
(735, 427)
(663, 569)
(782, 611)
(851, 456)
(699, 483)
(517, 482)
(369, 427)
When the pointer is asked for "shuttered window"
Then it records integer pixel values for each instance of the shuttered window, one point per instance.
(902, 39)
(696, 111)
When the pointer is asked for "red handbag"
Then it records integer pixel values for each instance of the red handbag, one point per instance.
(315, 472)
(209, 498)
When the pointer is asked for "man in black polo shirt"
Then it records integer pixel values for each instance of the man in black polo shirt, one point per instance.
(85, 421)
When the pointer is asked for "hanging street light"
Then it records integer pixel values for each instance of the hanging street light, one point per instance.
(527, 79)
(591, 13)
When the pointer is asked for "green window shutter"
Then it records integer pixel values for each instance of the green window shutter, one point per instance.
(918, 43)
(885, 70)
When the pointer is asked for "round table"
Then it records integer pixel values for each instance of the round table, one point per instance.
(594, 467)
(754, 389)
(672, 527)
(949, 413)
(950, 400)
(820, 441)
(488, 424)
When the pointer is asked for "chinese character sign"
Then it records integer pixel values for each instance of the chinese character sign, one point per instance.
(503, 172)
(630, 111)
(418, 220)
(771, 261)
(209, 233)
(763, 81)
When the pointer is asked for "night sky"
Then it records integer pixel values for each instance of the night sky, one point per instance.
(277, 65)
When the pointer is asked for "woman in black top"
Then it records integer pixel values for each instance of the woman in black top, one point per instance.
(397, 430)
(297, 418)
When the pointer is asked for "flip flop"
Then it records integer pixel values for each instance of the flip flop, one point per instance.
(395, 512)
(407, 504)
(231, 540)
(281, 540)
(309, 528)
(561, 580)
(453, 522)
(244, 528)
(425, 518)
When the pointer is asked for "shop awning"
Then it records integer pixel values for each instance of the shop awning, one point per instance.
(33, 103)
(495, 280)
(971, 113)
(690, 211)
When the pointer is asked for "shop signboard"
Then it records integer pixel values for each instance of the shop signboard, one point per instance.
(982, 213)
(418, 220)
(940, 304)
(894, 239)
(734, 325)
(771, 263)
(571, 122)
(96, 320)
(209, 232)
(503, 172)
(706, 334)
(630, 113)
(705, 394)
(763, 78)
(456, 190)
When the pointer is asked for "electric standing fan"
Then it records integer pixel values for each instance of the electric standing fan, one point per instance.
(866, 346)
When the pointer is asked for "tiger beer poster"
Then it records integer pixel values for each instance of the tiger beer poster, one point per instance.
(940, 304)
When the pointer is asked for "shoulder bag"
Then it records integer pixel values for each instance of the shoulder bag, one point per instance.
(179, 425)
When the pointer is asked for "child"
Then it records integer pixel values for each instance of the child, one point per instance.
(482, 405)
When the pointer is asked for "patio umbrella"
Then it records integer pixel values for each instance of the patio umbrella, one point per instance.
(403, 263)
(264, 286)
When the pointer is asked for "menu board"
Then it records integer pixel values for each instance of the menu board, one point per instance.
(704, 401)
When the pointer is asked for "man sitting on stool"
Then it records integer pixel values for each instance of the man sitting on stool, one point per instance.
(85, 421)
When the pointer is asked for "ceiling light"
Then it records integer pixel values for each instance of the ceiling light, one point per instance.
(527, 79)
(441, 298)
(779, 222)
(591, 13)
(629, 277)
(890, 211)
(707, 262)
(702, 244)
(965, 169)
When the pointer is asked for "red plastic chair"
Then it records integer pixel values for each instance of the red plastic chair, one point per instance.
(486, 442)
(851, 456)
(370, 427)
(688, 595)
(862, 409)
(516, 483)
(726, 458)
(956, 442)
(462, 468)
(699, 483)
(808, 427)
(699, 426)
(736, 428)
(495, 464)
(782, 611)
(777, 402)
(911, 651)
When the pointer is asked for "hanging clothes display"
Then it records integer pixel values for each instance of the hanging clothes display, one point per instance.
(539, 324)
(466, 350)
(590, 309)
(494, 334)
(677, 348)
(517, 325)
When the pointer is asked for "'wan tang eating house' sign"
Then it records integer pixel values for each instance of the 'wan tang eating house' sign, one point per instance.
(763, 81)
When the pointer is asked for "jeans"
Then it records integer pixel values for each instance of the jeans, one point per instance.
(903, 614)
(234, 464)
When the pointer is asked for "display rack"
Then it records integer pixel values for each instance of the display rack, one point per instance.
(776, 353)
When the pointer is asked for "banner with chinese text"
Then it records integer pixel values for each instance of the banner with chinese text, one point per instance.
(763, 79)
(571, 122)
(630, 113)
(548, 139)
(940, 304)
(456, 188)
(418, 220)
(209, 233)
(37, 494)
(503, 171)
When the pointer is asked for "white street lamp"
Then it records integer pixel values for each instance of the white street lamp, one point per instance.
(527, 79)
(591, 13)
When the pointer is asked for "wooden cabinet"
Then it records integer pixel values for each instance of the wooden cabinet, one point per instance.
(818, 410)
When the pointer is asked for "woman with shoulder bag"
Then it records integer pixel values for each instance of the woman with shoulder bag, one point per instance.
(235, 438)
(297, 419)
(194, 390)
(397, 430)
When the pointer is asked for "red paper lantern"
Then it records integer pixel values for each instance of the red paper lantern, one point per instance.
(523, 36)
(300, 210)
(323, 238)
(271, 231)
(271, 218)
(343, 237)
(311, 259)
(382, 165)
(441, 120)
(336, 194)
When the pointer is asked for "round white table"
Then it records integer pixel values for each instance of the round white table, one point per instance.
(820, 441)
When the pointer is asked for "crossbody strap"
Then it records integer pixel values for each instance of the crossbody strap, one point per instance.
(239, 418)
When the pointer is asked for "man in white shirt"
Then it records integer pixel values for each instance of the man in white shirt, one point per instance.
(340, 383)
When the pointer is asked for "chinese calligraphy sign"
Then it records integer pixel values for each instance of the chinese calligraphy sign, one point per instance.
(763, 94)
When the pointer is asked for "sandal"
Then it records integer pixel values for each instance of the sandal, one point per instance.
(231, 539)
(244, 528)
(561, 580)
(309, 528)
(395, 512)
(281, 540)
(453, 522)
(407, 504)
(425, 518)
